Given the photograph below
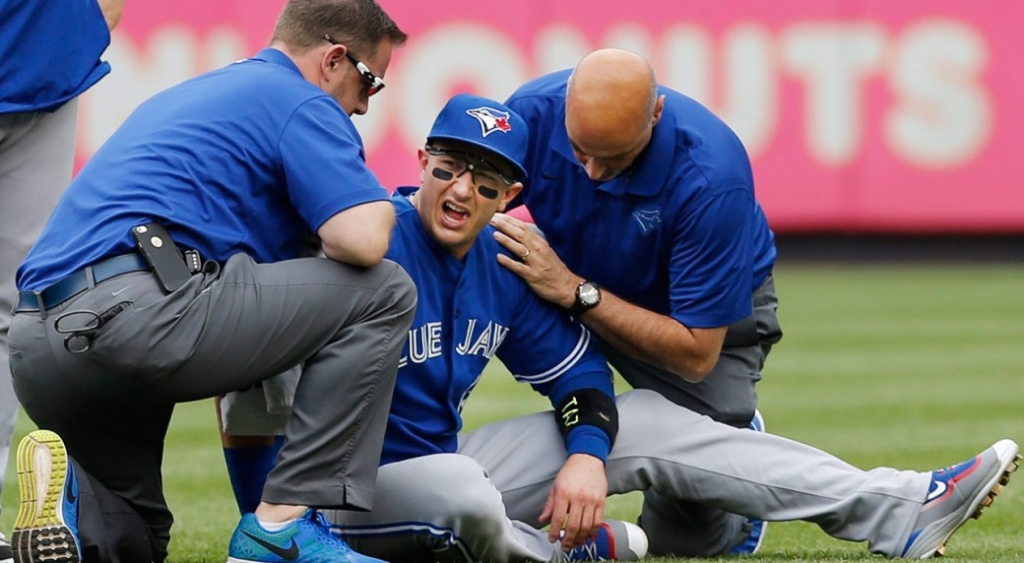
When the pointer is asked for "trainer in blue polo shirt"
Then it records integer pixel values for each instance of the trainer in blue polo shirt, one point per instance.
(655, 241)
(244, 165)
(224, 162)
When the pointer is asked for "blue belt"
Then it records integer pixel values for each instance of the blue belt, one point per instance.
(66, 288)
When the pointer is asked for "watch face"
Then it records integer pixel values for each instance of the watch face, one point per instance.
(589, 295)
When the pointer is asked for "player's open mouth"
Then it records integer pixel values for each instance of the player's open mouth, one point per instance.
(454, 215)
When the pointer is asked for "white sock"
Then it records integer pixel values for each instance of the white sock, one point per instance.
(276, 526)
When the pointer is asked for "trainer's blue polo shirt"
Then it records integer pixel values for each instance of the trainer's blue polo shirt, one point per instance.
(679, 232)
(51, 52)
(248, 158)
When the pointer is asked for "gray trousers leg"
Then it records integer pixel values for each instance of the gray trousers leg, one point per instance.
(37, 153)
(224, 330)
(441, 508)
(727, 395)
(689, 457)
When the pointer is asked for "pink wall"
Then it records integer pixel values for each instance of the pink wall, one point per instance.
(859, 115)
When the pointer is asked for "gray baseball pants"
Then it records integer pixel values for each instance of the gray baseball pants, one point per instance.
(482, 503)
(727, 395)
(227, 328)
(37, 152)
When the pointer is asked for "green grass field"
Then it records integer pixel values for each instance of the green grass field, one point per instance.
(915, 367)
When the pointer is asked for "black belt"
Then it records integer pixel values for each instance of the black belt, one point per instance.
(66, 288)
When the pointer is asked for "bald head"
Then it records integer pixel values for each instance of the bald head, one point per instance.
(611, 105)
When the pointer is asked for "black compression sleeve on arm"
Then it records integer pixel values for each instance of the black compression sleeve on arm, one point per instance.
(591, 407)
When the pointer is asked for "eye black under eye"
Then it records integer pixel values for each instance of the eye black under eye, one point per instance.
(488, 192)
(442, 174)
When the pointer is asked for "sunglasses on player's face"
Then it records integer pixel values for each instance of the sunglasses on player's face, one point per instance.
(374, 83)
(452, 164)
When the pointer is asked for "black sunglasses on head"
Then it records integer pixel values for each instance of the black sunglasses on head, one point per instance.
(376, 83)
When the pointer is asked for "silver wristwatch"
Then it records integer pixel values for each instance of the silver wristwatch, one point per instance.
(588, 295)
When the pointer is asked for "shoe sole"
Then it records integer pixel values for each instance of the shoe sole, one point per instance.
(40, 533)
(984, 500)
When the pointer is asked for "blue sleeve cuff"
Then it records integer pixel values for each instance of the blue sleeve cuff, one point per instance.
(590, 440)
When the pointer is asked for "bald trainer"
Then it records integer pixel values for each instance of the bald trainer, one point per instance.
(655, 241)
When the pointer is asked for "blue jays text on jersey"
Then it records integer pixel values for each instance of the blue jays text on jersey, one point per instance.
(425, 341)
(469, 311)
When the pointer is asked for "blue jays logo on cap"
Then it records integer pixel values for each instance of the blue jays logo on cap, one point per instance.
(472, 119)
(491, 120)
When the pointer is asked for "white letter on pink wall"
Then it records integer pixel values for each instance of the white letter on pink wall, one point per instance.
(943, 112)
(833, 60)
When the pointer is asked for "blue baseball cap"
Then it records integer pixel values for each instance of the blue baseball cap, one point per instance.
(484, 123)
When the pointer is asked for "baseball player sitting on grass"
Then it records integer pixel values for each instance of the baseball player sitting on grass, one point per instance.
(484, 496)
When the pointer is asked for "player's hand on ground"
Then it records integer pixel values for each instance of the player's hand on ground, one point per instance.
(575, 503)
(538, 264)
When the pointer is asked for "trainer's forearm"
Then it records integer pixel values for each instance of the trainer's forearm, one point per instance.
(656, 339)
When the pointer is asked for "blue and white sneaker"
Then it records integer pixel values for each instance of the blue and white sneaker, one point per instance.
(306, 540)
(614, 541)
(752, 544)
(958, 493)
(47, 525)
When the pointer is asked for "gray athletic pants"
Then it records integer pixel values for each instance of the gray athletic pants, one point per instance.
(37, 152)
(727, 395)
(482, 503)
(225, 329)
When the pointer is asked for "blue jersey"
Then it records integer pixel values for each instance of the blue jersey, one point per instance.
(249, 158)
(679, 232)
(469, 311)
(50, 52)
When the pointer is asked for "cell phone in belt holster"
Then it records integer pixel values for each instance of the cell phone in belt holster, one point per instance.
(160, 251)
